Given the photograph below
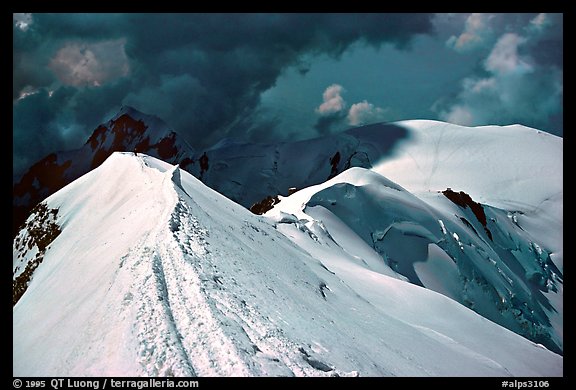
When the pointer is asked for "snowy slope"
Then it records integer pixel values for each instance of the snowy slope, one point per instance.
(510, 167)
(146, 271)
(515, 172)
(499, 270)
(514, 168)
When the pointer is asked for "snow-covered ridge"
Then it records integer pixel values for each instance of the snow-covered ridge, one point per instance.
(129, 130)
(154, 273)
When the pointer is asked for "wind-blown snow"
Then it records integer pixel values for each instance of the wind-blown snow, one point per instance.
(155, 274)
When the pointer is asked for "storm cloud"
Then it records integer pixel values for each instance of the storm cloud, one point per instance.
(202, 73)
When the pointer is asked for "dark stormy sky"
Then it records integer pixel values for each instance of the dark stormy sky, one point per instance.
(264, 77)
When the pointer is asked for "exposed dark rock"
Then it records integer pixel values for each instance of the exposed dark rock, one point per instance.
(334, 161)
(42, 230)
(264, 205)
(203, 164)
(464, 200)
(186, 162)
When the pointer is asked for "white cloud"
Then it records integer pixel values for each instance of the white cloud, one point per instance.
(458, 115)
(540, 22)
(93, 64)
(515, 90)
(504, 57)
(334, 115)
(333, 101)
(363, 113)
(476, 31)
(22, 20)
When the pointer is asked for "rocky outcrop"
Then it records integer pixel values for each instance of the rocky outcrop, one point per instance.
(464, 200)
(264, 205)
(37, 234)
